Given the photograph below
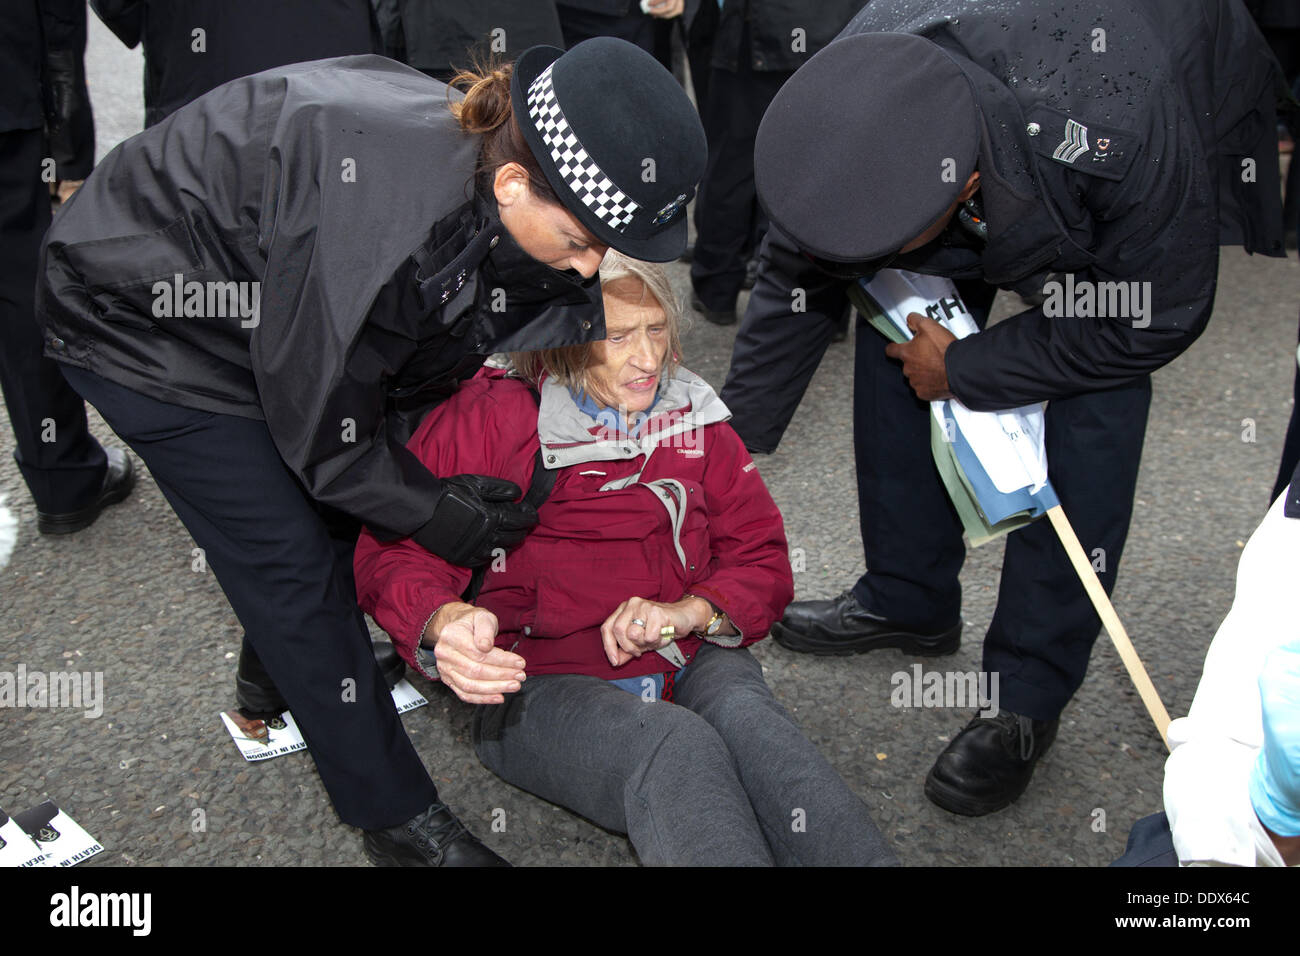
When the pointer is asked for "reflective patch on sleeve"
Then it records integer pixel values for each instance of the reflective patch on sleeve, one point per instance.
(1075, 141)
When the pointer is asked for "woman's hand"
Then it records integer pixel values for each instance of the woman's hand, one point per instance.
(469, 663)
(634, 627)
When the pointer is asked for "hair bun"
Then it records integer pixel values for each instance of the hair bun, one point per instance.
(486, 105)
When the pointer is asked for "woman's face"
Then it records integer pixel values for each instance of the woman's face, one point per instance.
(623, 370)
(546, 231)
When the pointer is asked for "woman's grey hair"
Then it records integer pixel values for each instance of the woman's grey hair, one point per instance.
(568, 365)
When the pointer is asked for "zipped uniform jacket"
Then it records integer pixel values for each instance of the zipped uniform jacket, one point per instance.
(305, 246)
(1126, 155)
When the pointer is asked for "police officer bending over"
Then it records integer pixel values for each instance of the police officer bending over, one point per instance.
(995, 144)
(277, 419)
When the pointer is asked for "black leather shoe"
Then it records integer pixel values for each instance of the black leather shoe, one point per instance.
(257, 697)
(840, 626)
(119, 479)
(988, 765)
(716, 316)
(432, 838)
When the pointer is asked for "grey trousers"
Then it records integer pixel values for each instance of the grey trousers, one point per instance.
(720, 777)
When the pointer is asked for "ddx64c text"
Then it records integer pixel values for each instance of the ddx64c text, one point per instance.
(1164, 899)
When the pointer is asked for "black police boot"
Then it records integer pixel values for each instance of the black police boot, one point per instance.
(716, 316)
(988, 765)
(258, 698)
(432, 838)
(390, 663)
(119, 479)
(841, 626)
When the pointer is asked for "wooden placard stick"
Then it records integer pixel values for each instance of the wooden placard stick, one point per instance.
(1110, 620)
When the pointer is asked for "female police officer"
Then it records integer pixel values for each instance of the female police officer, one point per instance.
(263, 293)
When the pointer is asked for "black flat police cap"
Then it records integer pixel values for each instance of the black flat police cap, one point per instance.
(866, 146)
(617, 138)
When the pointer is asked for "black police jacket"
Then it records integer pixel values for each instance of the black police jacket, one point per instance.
(610, 8)
(783, 34)
(1275, 14)
(631, 8)
(437, 36)
(1183, 97)
(192, 46)
(305, 246)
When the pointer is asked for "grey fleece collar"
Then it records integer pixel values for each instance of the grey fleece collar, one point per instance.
(570, 436)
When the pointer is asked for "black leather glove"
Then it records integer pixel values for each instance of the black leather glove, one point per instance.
(475, 515)
(67, 117)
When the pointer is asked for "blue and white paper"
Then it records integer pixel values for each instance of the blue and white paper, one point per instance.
(993, 464)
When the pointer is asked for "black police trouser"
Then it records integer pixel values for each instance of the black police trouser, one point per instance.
(1044, 626)
(699, 52)
(62, 464)
(728, 219)
(290, 585)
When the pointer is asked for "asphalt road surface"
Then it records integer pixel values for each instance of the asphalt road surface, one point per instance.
(121, 598)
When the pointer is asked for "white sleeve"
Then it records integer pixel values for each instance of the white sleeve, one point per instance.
(1214, 746)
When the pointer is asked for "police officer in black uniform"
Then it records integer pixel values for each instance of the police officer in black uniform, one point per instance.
(757, 46)
(71, 478)
(441, 37)
(995, 145)
(626, 19)
(193, 46)
(256, 309)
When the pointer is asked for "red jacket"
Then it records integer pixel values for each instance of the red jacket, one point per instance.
(605, 534)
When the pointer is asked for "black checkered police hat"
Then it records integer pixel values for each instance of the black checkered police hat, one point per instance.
(617, 138)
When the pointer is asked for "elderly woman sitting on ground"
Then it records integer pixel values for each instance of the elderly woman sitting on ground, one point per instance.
(608, 652)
